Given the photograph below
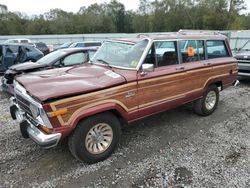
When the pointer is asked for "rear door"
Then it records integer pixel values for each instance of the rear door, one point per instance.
(198, 69)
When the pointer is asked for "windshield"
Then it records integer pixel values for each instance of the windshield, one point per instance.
(246, 46)
(51, 57)
(121, 54)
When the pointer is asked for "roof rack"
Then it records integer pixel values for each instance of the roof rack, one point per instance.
(190, 31)
(141, 35)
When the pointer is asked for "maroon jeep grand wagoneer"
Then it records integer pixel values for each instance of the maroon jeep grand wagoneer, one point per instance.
(126, 80)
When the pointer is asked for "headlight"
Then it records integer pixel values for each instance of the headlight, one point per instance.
(34, 110)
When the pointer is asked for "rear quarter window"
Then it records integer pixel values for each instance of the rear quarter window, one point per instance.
(216, 49)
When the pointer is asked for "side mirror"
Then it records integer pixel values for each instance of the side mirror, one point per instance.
(147, 67)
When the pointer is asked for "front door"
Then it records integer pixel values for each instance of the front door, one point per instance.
(165, 86)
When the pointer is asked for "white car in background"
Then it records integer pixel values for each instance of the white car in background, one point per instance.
(17, 41)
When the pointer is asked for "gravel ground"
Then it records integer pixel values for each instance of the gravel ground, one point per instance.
(172, 149)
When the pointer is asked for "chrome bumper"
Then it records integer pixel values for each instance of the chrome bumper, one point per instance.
(29, 130)
(42, 139)
(244, 69)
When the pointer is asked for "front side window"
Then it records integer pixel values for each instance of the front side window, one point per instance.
(75, 59)
(162, 53)
(216, 49)
(121, 54)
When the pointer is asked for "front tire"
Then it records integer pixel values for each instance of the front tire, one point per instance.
(95, 138)
(208, 103)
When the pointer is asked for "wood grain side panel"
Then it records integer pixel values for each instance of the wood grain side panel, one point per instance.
(117, 95)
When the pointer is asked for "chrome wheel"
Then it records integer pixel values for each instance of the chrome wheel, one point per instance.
(99, 138)
(210, 100)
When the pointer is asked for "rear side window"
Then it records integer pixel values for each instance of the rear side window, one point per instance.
(216, 49)
(192, 50)
(80, 45)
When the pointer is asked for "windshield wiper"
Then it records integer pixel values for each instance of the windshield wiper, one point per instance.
(104, 62)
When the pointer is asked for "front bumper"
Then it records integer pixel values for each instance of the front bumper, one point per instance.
(244, 69)
(30, 130)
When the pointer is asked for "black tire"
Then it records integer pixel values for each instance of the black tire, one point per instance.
(77, 140)
(200, 106)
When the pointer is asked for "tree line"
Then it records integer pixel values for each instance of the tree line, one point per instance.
(151, 16)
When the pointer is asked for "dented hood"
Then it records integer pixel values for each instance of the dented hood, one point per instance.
(63, 82)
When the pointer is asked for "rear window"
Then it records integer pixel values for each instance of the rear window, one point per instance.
(216, 49)
(24, 41)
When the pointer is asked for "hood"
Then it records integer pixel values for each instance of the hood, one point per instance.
(242, 54)
(26, 66)
(68, 81)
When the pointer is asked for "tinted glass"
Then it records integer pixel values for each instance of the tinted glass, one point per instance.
(41, 45)
(79, 45)
(216, 49)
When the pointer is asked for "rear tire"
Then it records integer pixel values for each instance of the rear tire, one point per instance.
(208, 103)
(95, 138)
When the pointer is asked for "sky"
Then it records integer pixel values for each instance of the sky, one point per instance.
(32, 7)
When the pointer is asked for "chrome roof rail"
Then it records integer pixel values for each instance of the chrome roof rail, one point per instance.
(195, 32)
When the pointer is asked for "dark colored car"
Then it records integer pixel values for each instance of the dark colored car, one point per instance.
(42, 47)
(243, 56)
(11, 54)
(56, 59)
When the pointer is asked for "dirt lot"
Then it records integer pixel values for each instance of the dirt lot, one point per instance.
(173, 149)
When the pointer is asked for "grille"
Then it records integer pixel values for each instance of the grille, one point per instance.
(242, 60)
(23, 103)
